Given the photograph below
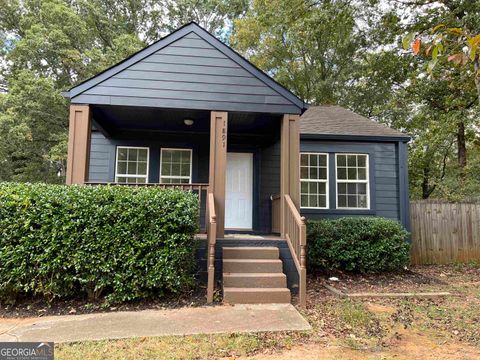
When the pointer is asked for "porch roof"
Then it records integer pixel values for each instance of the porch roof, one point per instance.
(188, 69)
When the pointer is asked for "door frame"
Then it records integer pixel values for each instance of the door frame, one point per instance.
(255, 151)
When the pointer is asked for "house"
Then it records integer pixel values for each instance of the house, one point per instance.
(189, 112)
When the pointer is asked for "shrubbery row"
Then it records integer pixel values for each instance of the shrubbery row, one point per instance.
(360, 244)
(119, 242)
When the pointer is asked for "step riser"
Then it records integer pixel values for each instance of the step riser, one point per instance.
(245, 297)
(246, 267)
(259, 253)
(255, 281)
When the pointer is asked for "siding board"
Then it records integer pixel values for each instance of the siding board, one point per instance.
(189, 73)
(384, 186)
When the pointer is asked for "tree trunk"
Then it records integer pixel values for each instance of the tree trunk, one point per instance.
(426, 188)
(461, 146)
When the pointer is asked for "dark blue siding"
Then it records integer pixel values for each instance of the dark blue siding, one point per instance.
(189, 73)
(387, 178)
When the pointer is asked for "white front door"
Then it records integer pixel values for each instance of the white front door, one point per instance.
(239, 191)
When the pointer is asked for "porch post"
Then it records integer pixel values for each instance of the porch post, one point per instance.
(289, 167)
(218, 165)
(79, 133)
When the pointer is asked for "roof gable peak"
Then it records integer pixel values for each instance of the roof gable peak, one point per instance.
(181, 32)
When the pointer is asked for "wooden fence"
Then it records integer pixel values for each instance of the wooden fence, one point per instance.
(444, 233)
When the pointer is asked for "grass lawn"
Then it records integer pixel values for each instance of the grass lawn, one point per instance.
(380, 328)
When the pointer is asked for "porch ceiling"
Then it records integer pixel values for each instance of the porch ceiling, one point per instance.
(116, 119)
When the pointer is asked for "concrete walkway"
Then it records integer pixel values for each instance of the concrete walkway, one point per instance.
(184, 321)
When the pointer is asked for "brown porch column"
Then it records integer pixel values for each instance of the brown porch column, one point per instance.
(78, 144)
(218, 165)
(289, 166)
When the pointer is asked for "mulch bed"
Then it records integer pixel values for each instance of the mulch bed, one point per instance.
(29, 307)
(415, 279)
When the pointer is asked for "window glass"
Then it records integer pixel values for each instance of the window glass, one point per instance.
(176, 165)
(132, 165)
(352, 181)
(314, 180)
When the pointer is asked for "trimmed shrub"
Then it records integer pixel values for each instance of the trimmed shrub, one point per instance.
(360, 244)
(123, 243)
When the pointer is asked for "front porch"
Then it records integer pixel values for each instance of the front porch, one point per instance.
(243, 166)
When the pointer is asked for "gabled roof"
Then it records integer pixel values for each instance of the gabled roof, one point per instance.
(169, 39)
(333, 120)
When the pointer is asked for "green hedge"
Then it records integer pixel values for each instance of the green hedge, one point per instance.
(361, 244)
(119, 242)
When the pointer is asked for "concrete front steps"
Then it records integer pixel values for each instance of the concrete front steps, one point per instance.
(254, 275)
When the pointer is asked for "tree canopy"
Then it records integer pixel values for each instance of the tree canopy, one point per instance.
(411, 64)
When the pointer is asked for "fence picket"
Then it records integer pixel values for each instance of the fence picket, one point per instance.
(444, 233)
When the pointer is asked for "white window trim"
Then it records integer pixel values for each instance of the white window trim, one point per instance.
(366, 181)
(175, 177)
(326, 181)
(117, 175)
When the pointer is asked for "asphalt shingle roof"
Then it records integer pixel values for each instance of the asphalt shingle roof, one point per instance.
(336, 120)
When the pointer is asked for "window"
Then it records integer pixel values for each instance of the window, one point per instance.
(352, 181)
(132, 165)
(176, 166)
(314, 180)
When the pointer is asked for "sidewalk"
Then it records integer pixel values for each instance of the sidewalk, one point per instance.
(184, 321)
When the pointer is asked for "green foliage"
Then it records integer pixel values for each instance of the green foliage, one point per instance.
(125, 243)
(366, 245)
(48, 46)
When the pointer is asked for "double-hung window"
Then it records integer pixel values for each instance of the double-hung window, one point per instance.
(352, 181)
(175, 166)
(314, 180)
(131, 165)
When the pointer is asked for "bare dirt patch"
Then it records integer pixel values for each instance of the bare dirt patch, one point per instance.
(32, 307)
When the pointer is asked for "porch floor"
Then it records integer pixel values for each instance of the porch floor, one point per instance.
(243, 237)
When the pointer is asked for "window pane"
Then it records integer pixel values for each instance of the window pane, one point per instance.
(341, 160)
(362, 201)
(323, 160)
(322, 201)
(362, 174)
(351, 188)
(312, 187)
(185, 170)
(304, 172)
(132, 168)
(342, 188)
(122, 154)
(313, 201)
(304, 200)
(304, 187)
(142, 155)
(121, 167)
(121, 180)
(313, 173)
(175, 169)
(342, 173)
(352, 201)
(362, 189)
(362, 160)
(175, 163)
(322, 173)
(352, 160)
(132, 154)
(142, 168)
(176, 157)
(322, 188)
(352, 174)
(304, 160)
(313, 160)
(342, 201)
